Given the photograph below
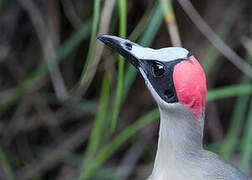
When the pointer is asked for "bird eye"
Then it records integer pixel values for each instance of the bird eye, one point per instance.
(158, 69)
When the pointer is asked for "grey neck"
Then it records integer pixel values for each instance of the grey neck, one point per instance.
(180, 136)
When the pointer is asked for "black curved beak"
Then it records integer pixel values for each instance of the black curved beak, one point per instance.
(122, 46)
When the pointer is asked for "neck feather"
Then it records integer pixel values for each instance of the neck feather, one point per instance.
(180, 136)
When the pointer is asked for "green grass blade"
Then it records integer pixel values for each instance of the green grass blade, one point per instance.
(96, 135)
(146, 40)
(100, 117)
(153, 26)
(167, 8)
(74, 102)
(224, 29)
(143, 23)
(106, 174)
(231, 140)
(229, 91)
(171, 24)
(64, 50)
(120, 76)
(246, 151)
(247, 144)
(127, 133)
(6, 166)
(92, 40)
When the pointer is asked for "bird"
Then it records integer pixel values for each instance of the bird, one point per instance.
(177, 82)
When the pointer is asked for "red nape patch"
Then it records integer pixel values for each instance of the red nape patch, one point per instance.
(190, 84)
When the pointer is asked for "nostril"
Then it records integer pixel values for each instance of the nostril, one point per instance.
(168, 93)
(128, 46)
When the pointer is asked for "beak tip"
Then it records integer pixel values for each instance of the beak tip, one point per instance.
(106, 39)
(120, 45)
(100, 37)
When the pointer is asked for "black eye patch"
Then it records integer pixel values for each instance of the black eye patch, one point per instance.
(160, 75)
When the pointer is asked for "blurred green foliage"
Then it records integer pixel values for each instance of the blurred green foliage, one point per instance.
(107, 136)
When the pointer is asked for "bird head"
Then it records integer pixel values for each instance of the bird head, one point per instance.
(173, 75)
